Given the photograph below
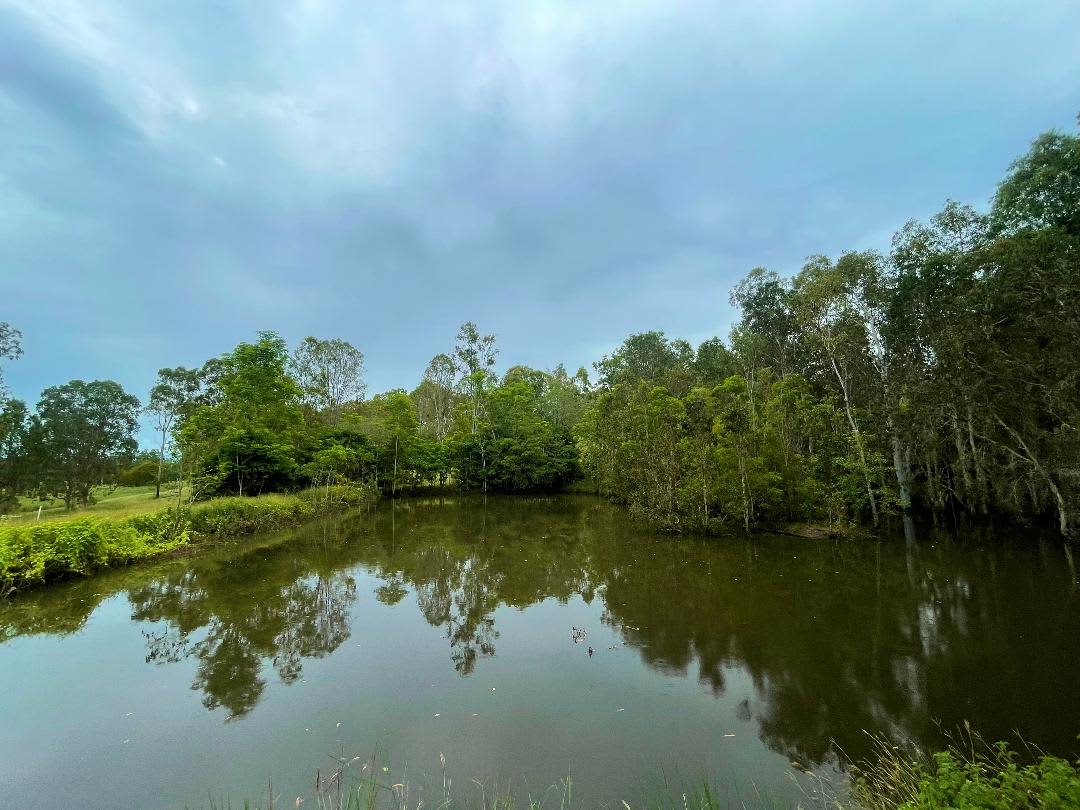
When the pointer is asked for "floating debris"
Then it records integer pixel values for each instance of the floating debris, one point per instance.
(620, 710)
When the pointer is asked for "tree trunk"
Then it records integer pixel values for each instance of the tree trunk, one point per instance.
(1030, 458)
(858, 440)
(160, 463)
(902, 466)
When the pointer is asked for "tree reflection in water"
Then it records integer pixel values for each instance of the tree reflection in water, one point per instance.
(836, 638)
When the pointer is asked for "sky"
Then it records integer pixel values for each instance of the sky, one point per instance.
(175, 177)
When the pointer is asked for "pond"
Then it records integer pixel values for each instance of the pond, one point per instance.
(446, 626)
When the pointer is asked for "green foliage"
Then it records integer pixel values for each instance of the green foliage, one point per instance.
(974, 776)
(138, 475)
(35, 553)
(244, 435)
(1051, 783)
(942, 377)
(84, 429)
(10, 349)
(330, 373)
(40, 552)
(227, 517)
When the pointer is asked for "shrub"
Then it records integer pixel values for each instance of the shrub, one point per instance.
(38, 552)
(972, 776)
(138, 475)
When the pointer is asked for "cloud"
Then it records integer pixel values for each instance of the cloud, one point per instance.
(561, 172)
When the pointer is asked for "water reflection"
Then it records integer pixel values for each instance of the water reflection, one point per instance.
(837, 638)
(230, 619)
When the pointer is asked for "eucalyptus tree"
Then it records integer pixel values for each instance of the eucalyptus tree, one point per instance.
(171, 398)
(1042, 188)
(474, 356)
(330, 373)
(652, 357)
(766, 303)
(835, 333)
(435, 396)
(10, 349)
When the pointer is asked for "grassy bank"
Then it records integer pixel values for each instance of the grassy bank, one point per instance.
(33, 554)
(970, 775)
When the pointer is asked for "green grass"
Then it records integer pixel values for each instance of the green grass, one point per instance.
(35, 553)
(107, 501)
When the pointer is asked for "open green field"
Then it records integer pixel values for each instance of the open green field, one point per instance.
(108, 500)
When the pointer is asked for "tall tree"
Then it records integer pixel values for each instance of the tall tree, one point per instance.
(435, 396)
(474, 356)
(1042, 189)
(330, 373)
(14, 427)
(171, 398)
(824, 308)
(10, 349)
(244, 436)
(86, 426)
(648, 356)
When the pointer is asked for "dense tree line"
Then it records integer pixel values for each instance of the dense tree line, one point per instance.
(261, 418)
(941, 377)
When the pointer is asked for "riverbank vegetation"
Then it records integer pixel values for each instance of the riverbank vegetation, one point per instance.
(969, 774)
(941, 377)
(35, 553)
(978, 777)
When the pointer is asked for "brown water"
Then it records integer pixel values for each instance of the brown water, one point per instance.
(444, 626)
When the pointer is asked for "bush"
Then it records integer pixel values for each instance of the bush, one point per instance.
(997, 783)
(968, 776)
(139, 475)
(35, 553)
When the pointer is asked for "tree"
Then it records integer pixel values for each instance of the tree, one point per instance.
(14, 428)
(766, 304)
(651, 357)
(245, 433)
(330, 373)
(10, 349)
(435, 396)
(1042, 189)
(171, 397)
(824, 308)
(86, 426)
(474, 355)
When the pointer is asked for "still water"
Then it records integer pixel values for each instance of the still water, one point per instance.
(445, 626)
